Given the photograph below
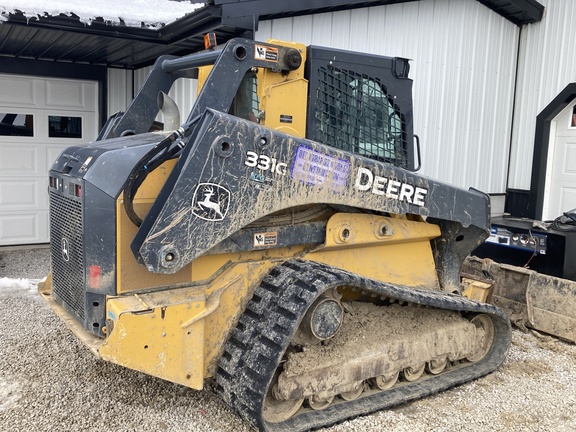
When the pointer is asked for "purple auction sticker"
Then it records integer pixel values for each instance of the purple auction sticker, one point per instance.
(316, 168)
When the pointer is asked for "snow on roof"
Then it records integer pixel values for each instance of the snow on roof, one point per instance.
(133, 13)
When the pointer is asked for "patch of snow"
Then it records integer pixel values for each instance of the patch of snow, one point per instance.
(16, 285)
(9, 394)
(133, 13)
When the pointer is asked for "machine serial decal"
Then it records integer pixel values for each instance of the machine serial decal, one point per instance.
(210, 202)
(260, 181)
(317, 168)
(264, 163)
(367, 181)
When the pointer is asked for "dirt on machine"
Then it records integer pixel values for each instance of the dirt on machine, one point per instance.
(277, 241)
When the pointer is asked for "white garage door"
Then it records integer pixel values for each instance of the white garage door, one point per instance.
(39, 117)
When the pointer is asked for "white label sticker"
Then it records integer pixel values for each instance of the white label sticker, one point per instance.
(265, 239)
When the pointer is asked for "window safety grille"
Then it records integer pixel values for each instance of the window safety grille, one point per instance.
(355, 113)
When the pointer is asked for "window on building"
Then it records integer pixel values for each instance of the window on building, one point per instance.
(12, 124)
(573, 124)
(64, 127)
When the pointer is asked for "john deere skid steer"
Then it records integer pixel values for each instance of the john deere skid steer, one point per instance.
(277, 240)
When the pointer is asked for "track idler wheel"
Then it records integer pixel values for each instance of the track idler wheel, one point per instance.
(484, 337)
(322, 320)
(276, 410)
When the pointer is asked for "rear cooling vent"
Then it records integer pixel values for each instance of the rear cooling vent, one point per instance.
(355, 113)
(67, 252)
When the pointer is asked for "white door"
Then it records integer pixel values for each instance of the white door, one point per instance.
(39, 117)
(560, 190)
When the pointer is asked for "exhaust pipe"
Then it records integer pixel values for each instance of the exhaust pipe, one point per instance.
(169, 110)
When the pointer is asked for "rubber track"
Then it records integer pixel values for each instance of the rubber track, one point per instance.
(272, 317)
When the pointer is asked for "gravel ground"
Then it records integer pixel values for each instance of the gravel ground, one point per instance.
(49, 381)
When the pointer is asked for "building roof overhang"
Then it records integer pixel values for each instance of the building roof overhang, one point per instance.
(66, 38)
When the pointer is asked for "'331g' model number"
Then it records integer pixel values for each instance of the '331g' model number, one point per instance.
(264, 163)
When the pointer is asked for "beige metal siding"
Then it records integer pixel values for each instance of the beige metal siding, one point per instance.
(464, 60)
(548, 59)
(120, 91)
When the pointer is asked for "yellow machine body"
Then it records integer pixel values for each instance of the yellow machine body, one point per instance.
(178, 333)
(291, 88)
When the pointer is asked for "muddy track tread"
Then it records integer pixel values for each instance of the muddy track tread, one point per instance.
(254, 351)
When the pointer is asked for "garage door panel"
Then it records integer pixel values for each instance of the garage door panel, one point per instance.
(69, 127)
(19, 228)
(70, 95)
(24, 228)
(16, 195)
(17, 92)
(21, 160)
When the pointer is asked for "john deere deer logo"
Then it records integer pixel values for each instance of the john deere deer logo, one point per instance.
(210, 201)
(65, 249)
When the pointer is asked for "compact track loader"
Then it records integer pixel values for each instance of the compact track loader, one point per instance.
(278, 241)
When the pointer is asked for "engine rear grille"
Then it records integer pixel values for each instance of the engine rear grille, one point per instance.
(67, 251)
(355, 113)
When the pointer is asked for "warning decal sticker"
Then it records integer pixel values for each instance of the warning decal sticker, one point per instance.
(266, 53)
(265, 239)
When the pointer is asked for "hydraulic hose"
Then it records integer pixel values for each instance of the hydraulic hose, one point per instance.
(155, 157)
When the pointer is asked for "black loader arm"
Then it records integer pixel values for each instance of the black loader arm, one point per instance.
(233, 172)
(231, 62)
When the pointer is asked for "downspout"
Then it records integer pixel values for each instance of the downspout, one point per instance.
(514, 94)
